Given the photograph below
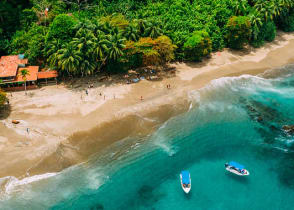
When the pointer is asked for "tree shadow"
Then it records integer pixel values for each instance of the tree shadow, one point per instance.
(242, 52)
(106, 79)
(5, 111)
(204, 62)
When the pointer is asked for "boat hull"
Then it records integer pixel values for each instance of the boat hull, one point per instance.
(186, 189)
(237, 172)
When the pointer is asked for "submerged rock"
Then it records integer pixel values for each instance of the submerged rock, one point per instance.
(259, 119)
(288, 128)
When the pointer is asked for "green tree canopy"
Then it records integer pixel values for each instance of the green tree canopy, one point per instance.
(198, 46)
(62, 28)
(239, 31)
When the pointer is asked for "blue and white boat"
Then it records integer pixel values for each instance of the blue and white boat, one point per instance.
(185, 181)
(236, 168)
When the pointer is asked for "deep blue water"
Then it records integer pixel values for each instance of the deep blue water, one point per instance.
(236, 119)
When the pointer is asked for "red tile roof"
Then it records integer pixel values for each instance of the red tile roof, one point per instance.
(9, 65)
(47, 74)
(33, 71)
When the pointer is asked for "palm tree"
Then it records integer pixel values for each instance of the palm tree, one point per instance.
(131, 33)
(87, 66)
(152, 30)
(142, 25)
(69, 59)
(101, 48)
(239, 6)
(53, 59)
(267, 9)
(24, 73)
(106, 28)
(99, 27)
(85, 24)
(84, 43)
(115, 47)
(256, 23)
(52, 48)
(286, 3)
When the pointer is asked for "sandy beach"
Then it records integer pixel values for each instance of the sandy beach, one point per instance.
(61, 126)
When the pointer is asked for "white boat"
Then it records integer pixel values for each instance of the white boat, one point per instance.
(236, 168)
(185, 181)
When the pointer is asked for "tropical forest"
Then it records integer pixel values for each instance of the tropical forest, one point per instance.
(84, 37)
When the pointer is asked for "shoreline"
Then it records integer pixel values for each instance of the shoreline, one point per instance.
(67, 126)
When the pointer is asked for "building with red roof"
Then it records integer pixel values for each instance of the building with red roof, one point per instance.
(10, 73)
(47, 74)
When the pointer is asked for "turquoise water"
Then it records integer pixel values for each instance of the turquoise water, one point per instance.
(236, 119)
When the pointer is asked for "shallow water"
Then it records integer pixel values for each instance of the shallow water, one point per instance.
(237, 118)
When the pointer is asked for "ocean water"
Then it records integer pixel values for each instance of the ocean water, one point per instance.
(236, 118)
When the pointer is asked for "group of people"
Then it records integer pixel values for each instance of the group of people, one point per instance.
(186, 185)
(141, 98)
(87, 93)
(237, 169)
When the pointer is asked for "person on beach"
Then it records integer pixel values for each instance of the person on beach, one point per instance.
(104, 97)
(87, 92)
(100, 94)
(28, 130)
(141, 98)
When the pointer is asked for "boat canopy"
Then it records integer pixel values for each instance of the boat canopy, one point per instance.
(236, 165)
(185, 177)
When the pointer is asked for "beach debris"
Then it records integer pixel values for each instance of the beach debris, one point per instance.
(288, 128)
(132, 72)
(135, 80)
(102, 78)
(15, 121)
(77, 86)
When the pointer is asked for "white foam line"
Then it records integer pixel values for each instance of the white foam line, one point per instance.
(14, 182)
(191, 106)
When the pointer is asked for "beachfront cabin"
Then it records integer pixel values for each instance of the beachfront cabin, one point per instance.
(18, 82)
(46, 77)
(9, 66)
(11, 78)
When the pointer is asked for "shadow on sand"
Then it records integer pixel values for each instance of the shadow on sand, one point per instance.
(5, 111)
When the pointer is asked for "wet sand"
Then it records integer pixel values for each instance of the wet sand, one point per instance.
(66, 126)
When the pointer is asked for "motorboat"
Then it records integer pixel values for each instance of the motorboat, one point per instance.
(185, 181)
(236, 168)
